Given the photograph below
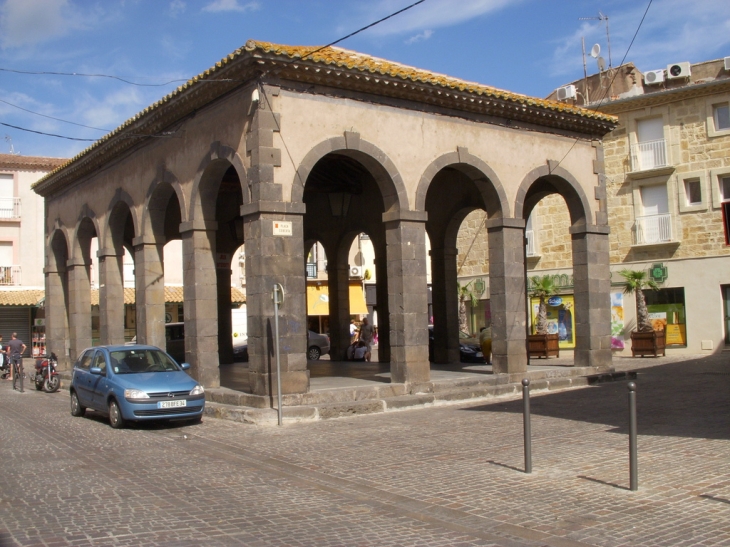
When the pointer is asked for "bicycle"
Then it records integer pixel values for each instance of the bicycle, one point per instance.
(18, 372)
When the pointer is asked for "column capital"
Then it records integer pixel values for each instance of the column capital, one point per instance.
(102, 253)
(198, 225)
(144, 239)
(273, 207)
(600, 229)
(503, 222)
(408, 216)
(71, 262)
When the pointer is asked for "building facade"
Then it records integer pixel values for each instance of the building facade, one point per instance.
(667, 169)
(22, 282)
(289, 147)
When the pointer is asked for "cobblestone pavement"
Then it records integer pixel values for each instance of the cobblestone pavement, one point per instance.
(449, 475)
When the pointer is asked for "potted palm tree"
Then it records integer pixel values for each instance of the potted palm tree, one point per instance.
(644, 340)
(466, 294)
(541, 343)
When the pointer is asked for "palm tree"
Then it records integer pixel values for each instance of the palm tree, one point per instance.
(465, 294)
(638, 282)
(542, 287)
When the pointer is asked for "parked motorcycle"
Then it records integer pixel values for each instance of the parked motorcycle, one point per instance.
(46, 376)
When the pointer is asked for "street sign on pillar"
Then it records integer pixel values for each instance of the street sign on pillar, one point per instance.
(282, 228)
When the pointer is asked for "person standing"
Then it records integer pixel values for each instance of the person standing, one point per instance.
(366, 336)
(16, 348)
(353, 330)
(485, 341)
(3, 360)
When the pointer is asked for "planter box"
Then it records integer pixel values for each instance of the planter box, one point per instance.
(543, 345)
(648, 343)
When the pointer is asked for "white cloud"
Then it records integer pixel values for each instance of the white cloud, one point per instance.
(700, 34)
(111, 110)
(28, 22)
(429, 15)
(231, 5)
(425, 35)
(177, 7)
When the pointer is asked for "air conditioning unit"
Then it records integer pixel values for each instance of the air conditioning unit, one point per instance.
(679, 70)
(356, 271)
(727, 63)
(654, 77)
(565, 93)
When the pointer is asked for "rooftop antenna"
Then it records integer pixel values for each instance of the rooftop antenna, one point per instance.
(602, 17)
(9, 140)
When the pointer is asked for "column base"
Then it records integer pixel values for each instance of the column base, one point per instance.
(593, 358)
(291, 382)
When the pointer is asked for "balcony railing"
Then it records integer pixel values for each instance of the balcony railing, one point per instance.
(9, 275)
(311, 270)
(530, 246)
(653, 229)
(9, 208)
(649, 155)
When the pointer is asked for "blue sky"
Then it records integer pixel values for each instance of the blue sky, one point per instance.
(525, 46)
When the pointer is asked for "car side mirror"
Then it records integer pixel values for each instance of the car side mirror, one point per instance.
(185, 366)
(96, 370)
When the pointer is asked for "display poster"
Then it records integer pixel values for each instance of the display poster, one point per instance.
(617, 321)
(671, 319)
(560, 318)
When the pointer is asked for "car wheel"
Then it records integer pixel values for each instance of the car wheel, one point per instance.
(116, 420)
(313, 353)
(76, 408)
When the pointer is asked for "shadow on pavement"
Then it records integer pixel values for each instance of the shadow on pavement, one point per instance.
(683, 399)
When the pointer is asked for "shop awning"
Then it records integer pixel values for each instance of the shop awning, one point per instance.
(318, 300)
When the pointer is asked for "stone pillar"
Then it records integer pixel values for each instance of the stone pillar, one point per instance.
(79, 296)
(225, 321)
(338, 282)
(57, 330)
(149, 292)
(445, 303)
(507, 294)
(111, 297)
(274, 259)
(200, 292)
(405, 233)
(592, 288)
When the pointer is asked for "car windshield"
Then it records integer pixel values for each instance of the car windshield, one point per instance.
(134, 361)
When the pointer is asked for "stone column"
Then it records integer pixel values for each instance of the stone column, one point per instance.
(149, 292)
(111, 297)
(338, 283)
(274, 259)
(79, 295)
(592, 288)
(57, 329)
(507, 294)
(405, 233)
(200, 292)
(445, 305)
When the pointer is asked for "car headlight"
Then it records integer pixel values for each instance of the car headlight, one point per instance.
(135, 394)
(467, 349)
(197, 390)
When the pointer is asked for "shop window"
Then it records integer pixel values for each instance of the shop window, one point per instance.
(667, 312)
(726, 220)
(721, 116)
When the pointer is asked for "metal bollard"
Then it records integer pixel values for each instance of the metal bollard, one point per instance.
(633, 456)
(526, 422)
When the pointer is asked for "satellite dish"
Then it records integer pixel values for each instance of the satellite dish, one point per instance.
(595, 51)
(601, 64)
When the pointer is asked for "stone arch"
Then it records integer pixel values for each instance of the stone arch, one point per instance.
(120, 205)
(58, 249)
(208, 177)
(545, 180)
(380, 166)
(86, 223)
(490, 187)
(159, 192)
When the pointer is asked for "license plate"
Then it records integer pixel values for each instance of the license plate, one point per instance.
(173, 404)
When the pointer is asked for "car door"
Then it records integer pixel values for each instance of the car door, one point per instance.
(82, 378)
(101, 384)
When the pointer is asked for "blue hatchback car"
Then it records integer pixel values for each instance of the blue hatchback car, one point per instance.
(134, 383)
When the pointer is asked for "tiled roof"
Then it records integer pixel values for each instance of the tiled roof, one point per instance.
(30, 163)
(173, 294)
(227, 76)
(21, 297)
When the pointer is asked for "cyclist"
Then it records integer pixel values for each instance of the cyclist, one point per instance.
(16, 348)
